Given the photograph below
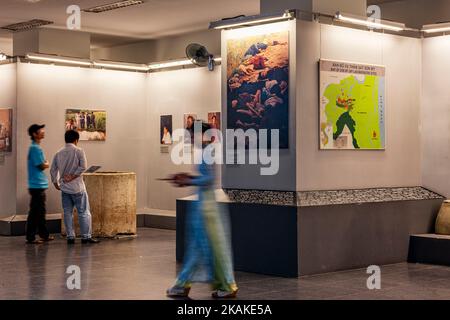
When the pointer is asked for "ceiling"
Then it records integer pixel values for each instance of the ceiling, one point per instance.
(153, 19)
(380, 1)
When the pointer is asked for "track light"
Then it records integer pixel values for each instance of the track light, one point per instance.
(122, 66)
(169, 64)
(106, 64)
(58, 59)
(175, 63)
(438, 27)
(252, 20)
(363, 21)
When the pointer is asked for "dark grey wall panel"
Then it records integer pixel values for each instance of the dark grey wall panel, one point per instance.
(341, 237)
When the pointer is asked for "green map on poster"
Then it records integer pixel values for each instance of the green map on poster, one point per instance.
(352, 106)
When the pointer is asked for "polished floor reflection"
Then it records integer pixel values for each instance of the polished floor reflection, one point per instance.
(144, 267)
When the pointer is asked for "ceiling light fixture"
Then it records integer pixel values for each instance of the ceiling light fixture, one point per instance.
(364, 21)
(58, 59)
(437, 27)
(27, 25)
(175, 63)
(121, 65)
(113, 6)
(170, 64)
(252, 20)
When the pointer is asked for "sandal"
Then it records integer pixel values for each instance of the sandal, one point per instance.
(50, 238)
(178, 292)
(35, 242)
(220, 294)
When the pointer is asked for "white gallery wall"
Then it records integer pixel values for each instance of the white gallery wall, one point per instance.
(436, 115)
(400, 163)
(46, 91)
(176, 93)
(8, 168)
(134, 103)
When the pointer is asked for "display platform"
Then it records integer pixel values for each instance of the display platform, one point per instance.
(16, 225)
(430, 249)
(293, 234)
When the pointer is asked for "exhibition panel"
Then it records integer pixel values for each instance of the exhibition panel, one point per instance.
(8, 160)
(306, 140)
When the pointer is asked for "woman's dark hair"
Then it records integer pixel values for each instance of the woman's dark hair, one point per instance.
(71, 136)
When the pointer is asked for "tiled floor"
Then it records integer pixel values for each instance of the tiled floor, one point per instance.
(144, 267)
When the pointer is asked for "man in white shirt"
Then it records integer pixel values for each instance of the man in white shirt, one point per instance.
(66, 171)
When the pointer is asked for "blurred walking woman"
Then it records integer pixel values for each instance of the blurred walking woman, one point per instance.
(208, 254)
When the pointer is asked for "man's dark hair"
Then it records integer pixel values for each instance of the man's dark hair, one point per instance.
(34, 129)
(71, 136)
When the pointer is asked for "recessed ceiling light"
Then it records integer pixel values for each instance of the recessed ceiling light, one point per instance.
(27, 25)
(113, 6)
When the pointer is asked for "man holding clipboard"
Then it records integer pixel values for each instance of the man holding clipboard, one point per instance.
(66, 171)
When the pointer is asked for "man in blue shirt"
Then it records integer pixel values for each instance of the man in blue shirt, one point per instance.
(37, 185)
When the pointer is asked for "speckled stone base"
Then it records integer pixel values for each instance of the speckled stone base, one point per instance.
(279, 198)
(325, 198)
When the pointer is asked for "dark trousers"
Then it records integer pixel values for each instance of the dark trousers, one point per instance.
(36, 223)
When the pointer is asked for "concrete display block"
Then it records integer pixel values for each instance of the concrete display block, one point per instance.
(443, 220)
(293, 234)
(112, 198)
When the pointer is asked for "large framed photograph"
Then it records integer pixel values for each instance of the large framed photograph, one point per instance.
(91, 124)
(6, 130)
(258, 83)
(352, 106)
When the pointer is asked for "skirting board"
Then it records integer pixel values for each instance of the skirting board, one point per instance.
(16, 226)
(429, 249)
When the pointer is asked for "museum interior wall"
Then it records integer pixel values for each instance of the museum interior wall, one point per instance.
(46, 91)
(435, 115)
(9, 166)
(399, 164)
(134, 103)
(161, 49)
(190, 91)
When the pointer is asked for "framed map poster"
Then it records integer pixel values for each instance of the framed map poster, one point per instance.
(352, 106)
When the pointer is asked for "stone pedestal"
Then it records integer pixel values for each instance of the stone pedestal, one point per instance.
(112, 198)
(443, 220)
